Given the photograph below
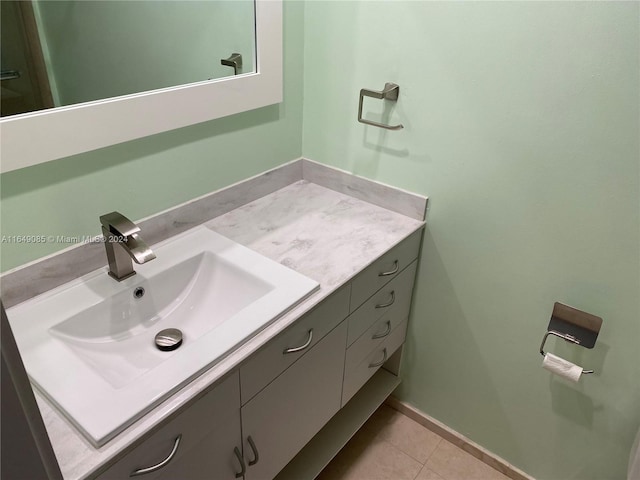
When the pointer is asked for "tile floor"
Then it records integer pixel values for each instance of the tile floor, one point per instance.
(391, 446)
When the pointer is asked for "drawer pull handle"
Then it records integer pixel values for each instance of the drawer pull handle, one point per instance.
(301, 347)
(243, 467)
(153, 468)
(385, 333)
(384, 359)
(391, 272)
(256, 456)
(390, 302)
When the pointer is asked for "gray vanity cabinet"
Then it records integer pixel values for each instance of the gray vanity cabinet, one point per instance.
(261, 416)
(283, 417)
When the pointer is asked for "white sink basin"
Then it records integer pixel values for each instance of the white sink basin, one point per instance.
(89, 345)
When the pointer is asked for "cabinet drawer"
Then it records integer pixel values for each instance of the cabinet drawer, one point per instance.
(268, 362)
(357, 375)
(219, 408)
(394, 297)
(282, 418)
(373, 337)
(387, 267)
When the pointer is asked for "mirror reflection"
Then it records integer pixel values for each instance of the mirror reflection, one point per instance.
(61, 52)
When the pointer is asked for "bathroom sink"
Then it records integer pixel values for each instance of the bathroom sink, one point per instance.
(89, 345)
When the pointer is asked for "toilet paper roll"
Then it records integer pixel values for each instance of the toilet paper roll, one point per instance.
(562, 367)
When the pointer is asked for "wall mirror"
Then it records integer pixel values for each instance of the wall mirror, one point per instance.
(64, 52)
(113, 71)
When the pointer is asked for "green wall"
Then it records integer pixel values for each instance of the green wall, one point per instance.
(521, 125)
(145, 176)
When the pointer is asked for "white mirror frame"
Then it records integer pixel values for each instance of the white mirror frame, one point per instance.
(33, 138)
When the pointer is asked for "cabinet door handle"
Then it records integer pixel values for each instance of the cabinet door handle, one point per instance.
(301, 347)
(385, 333)
(384, 359)
(256, 456)
(390, 302)
(390, 272)
(153, 468)
(243, 467)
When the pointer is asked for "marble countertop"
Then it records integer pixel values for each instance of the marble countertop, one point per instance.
(323, 234)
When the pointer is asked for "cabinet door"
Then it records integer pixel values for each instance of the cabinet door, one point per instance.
(284, 416)
(212, 459)
(197, 444)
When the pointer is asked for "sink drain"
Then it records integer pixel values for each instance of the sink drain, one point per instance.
(168, 339)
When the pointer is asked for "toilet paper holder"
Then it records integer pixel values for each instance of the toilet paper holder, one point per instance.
(573, 325)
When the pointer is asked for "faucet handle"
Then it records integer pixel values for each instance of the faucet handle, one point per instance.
(117, 223)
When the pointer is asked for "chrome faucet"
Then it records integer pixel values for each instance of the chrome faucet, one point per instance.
(123, 243)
